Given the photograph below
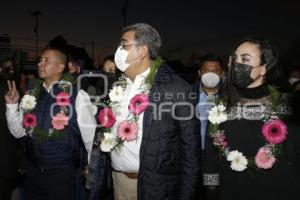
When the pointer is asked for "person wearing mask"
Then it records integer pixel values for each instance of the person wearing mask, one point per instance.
(252, 151)
(211, 72)
(160, 158)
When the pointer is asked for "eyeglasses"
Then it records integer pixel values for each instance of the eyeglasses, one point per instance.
(125, 46)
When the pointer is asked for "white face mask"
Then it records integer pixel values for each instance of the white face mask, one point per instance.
(210, 80)
(293, 80)
(120, 59)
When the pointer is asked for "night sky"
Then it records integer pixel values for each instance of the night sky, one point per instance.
(186, 27)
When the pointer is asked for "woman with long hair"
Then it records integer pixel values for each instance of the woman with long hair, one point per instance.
(253, 151)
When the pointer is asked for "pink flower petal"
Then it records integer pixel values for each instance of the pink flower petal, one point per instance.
(59, 121)
(29, 120)
(63, 99)
(138, 104)
(275, 131)
(264, 159)
(127, 131)
(106, 118)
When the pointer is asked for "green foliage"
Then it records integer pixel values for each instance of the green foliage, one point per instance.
(275, 98)
(153, 69)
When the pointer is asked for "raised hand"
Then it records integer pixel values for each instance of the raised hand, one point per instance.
(12, 96)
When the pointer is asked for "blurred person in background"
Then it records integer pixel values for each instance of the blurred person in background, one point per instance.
(9, 146)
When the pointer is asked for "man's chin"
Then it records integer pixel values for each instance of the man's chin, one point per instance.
(41, 75)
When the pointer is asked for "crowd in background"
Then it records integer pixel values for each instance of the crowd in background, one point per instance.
(203, 71)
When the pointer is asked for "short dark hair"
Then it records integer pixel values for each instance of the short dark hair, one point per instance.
(213, 58)
(63, 55)
(146, 35)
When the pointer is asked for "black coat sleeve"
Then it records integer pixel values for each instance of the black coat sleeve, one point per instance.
(210, 164)
(189, 144)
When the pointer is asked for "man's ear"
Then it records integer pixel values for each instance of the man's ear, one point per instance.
(61, 68)
(199, 73)
(143, 51)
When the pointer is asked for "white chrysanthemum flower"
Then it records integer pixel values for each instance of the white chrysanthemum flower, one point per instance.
(221, 108)
(238, 161)
(222, 117)
(108, 142)
(94, 109)
(28, 102)
(116, 94)
(212, 115)
(215, 116)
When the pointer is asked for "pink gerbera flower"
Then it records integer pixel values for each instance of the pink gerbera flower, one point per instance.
(63, 99)
(274, 131)
(138, 104)
(264, 158)
(106, 118)
(29, 120)
(59, 121)
(127, 130)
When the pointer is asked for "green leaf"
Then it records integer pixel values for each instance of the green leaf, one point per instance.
(153, 69)
(275, 98)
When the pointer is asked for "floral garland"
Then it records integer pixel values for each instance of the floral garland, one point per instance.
(59, 121)
(127, 130)
(274, 132)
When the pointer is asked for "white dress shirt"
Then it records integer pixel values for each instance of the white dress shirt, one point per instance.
(126, 158)
(86, 120)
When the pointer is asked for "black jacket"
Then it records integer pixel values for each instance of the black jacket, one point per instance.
(244, 133)
(170, 149)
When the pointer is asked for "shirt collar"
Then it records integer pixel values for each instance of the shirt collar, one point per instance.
(202, 91)
(140, 77)
(48, 90)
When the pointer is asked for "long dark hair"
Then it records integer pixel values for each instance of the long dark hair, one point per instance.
(269, 56)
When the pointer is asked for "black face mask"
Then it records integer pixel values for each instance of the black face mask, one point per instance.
(109, 74)
(240, 75)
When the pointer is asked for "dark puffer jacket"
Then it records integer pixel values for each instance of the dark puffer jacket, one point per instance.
(170, 149)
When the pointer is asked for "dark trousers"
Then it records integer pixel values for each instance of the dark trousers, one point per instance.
(6, 187)
(56, 184)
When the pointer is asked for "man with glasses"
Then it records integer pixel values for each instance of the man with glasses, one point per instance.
(162, 162)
